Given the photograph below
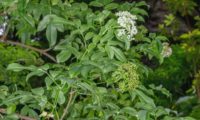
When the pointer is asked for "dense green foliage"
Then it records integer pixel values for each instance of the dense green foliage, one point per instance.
(100, 70)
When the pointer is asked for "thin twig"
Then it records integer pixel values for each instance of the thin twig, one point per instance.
(46, 50)
(3, 111)
(43, 52)
(71, 94)
(2, 14)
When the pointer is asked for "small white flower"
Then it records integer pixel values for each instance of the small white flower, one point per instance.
(121, 32)
(127, 23)
(1, 32)
(129, 37)
(3, 28)
(126, 14)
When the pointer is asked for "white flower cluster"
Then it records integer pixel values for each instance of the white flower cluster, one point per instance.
(167, 50)
(127, 22)
(2, 28)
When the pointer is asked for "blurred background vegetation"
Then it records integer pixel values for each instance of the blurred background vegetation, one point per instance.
(179, 21)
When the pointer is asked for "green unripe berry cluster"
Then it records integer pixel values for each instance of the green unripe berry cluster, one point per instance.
(126, 77)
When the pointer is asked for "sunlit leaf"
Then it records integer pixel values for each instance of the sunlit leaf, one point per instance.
(63, 56)
(51, 34)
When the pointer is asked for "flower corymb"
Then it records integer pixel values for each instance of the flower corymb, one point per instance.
(127, 76)
(127, 23)
(167, 50)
